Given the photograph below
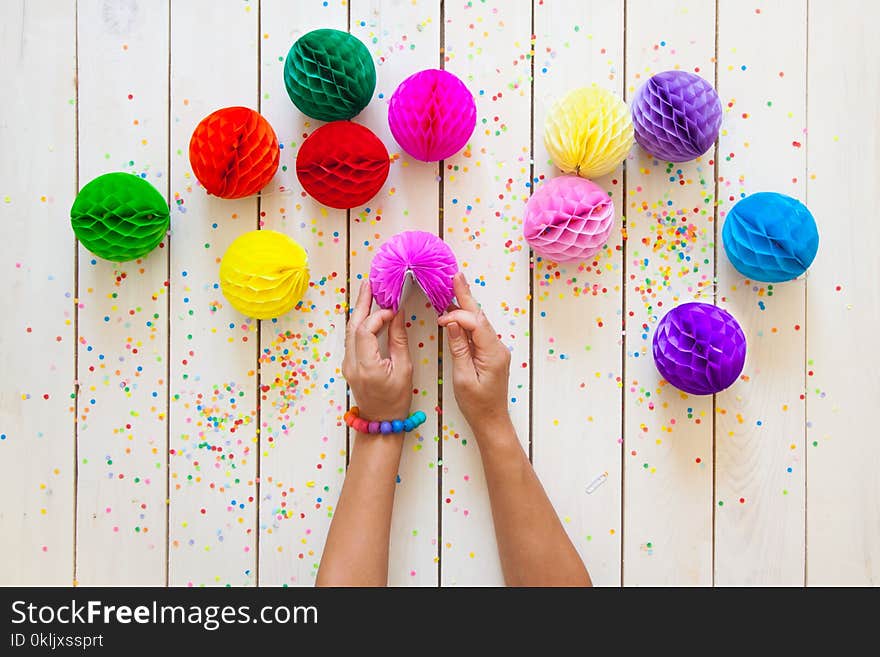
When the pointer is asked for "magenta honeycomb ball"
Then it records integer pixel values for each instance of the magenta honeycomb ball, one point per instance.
(432, 115)
(417, 253)
(568, 218)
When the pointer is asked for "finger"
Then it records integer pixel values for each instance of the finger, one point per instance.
(360, 312)
(366, 342)
(398, 341)
(463, 293)
(363, 303)
(482, 333)
(459, 350)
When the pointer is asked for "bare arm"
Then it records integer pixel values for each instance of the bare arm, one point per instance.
(356, 552)
(532, 544)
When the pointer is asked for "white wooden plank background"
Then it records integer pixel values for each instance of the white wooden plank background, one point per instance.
(404, 37)
(577, 436)
(37, 332)
(759, 421)
(485, 187)
(181, 470)
(302, 438)
(213, 409)
(669, 260)
(123, 314)
(843, 304)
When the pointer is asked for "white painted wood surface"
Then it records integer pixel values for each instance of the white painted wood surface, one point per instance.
(578, 308)
(37, 332)
(843, 305)
(247, 508)
(302, 438)
(485, 187)
(759, 421)
(123, 318)
(404, 38)
(213, 410)
(669, 260)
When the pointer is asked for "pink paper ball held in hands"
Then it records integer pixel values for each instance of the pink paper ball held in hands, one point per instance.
(432, 115)
(568, 218)
(424, 255)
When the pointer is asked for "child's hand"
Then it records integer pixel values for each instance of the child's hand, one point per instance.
(382, 387)
(480, 362)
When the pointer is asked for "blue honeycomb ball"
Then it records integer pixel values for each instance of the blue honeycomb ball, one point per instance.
(770, 237)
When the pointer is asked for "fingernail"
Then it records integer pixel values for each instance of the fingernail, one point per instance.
(454, 330)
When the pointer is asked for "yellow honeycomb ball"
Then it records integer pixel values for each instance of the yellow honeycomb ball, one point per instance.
(588, 132)
(264, 274)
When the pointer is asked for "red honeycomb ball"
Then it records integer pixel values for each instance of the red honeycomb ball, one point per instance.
(342, 165)
(234, 152)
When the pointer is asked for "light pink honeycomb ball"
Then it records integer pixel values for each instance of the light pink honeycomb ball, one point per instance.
(568, 218)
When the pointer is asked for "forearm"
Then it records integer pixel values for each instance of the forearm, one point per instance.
(356, 551)
(532, 544)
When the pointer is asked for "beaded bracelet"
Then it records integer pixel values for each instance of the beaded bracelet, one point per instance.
(355, 421)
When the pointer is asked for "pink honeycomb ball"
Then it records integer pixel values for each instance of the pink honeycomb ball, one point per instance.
(568, 218)
(432, 115)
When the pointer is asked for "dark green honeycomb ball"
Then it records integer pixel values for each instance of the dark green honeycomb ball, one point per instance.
(119, 217)
(329, 75)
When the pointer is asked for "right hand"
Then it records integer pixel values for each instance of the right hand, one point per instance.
(382, 387)
(480, 361)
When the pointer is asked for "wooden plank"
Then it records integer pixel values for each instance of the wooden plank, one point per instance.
(37, 344)
(404, 38)
(759, 430)
(123, 319)
(485, 186)
(302, 437)
(577, 314)
(843, 306)
(213, 429)
(669, 260)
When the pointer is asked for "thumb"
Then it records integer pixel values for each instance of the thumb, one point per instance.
(398, 341)
(459, 349)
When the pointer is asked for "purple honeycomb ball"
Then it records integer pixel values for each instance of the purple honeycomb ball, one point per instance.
(676, 116)
(699, 348)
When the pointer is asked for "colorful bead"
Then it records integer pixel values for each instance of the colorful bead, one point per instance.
(352, 419)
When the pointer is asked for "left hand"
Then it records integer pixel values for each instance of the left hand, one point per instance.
(382, 387)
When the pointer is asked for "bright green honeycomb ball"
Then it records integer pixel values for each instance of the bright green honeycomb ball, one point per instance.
(119, 217)
(329, 75)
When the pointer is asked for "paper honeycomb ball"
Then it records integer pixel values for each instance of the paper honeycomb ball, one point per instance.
(425, 257)
(119, 217)
(234, 152)
(329, 75)
(588, 132)
(342, 164)
(699, 348)
(676, 115)
(770, 237)
(264, 273)
(568, 218)
(432, 115)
